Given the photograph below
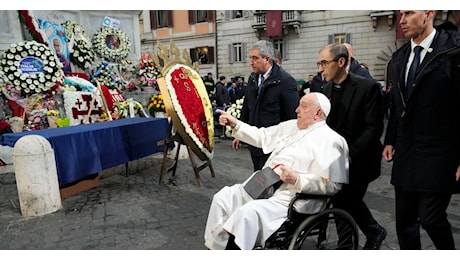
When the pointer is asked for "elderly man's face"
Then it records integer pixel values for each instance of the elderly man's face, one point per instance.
(307, 111)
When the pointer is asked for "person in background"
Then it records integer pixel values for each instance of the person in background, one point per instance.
(318, 83)
(305, 89)
(357, 115)
(312, 159)
(278, 57)
(231, 88)
(423, 132)
(271, 96)
(240, 89)
(222, 97)
(354, 66)
(210, 86)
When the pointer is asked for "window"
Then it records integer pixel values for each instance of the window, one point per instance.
(204, 55)
(278, 45)
(237, 14)
(340, 38)
(200, 16)
(237, 52)
(160, 19)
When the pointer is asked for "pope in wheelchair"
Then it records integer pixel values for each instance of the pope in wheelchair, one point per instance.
(312, 159)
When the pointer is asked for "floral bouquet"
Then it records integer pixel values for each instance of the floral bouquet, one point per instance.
(80, 48)
(156, 104)
(148, 72)
(17, 124)
(37, 120)
(105, 77)
(52, 115)
(235, 111)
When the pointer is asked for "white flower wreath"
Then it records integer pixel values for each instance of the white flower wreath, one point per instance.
(80, 48)
(115, 50)
(31, 67)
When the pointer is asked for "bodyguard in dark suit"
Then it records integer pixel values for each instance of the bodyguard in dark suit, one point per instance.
(357, 115)
(424, 130)
(270, 100)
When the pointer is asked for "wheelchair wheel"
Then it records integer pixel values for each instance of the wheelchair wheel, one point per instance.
(330, 229)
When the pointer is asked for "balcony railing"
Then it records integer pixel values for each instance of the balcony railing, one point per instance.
(288, 18)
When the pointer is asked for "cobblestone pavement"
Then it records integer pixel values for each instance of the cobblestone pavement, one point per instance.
(136, 212)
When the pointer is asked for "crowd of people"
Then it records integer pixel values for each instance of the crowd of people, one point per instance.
(326, 135)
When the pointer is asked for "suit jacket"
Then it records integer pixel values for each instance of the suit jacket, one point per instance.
(361, 125)
(276, 102)
(356, 68)
(424, 128)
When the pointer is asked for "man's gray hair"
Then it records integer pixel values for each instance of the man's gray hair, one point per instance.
(265, 47)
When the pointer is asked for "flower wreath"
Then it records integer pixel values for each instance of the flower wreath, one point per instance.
(80, 48)
(31, 67)
(102, 48)
(187, 101)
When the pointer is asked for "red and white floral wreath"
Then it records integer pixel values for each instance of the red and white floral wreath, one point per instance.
(190, 103)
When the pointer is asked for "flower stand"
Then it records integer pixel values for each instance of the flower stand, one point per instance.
(177, 139)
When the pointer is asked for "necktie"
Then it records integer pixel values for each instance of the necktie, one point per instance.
(412, 70)
(261, 83)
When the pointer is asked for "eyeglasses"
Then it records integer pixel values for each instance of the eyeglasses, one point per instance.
(325, 63)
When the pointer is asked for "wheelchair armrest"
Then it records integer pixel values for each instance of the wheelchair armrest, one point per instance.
(304, 196)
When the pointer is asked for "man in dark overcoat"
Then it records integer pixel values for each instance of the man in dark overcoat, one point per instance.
(423, 133)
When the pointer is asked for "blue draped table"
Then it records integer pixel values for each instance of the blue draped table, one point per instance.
(85, 150)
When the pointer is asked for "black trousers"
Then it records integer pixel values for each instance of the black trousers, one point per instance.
(428, 211)
(258, 158)
(350, 199)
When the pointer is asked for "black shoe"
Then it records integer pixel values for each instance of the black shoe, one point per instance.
(376, 242)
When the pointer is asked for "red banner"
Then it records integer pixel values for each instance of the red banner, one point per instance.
(274, 25)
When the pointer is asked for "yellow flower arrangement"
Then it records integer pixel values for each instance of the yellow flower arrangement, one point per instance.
(156, 104)
(52, 113)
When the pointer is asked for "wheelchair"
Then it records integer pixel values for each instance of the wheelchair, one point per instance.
(330, 229)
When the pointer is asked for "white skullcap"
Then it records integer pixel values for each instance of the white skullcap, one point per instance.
(324, 103)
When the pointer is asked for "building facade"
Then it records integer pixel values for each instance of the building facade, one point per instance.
(191, 30)
(299, 35)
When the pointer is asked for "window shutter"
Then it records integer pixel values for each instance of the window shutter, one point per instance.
(170, 19)
(210, 54)
(348, 38)
(193, 55)
(285, 49)
(245, 13)
(230, 53)
(244, 52)
(211, 16)
(191, 17)
(330, 38)
(153, 20)
(228, 14)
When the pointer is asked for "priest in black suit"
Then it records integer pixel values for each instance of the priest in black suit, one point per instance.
(356, 114)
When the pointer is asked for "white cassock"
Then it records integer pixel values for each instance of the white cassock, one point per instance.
(317, 153)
